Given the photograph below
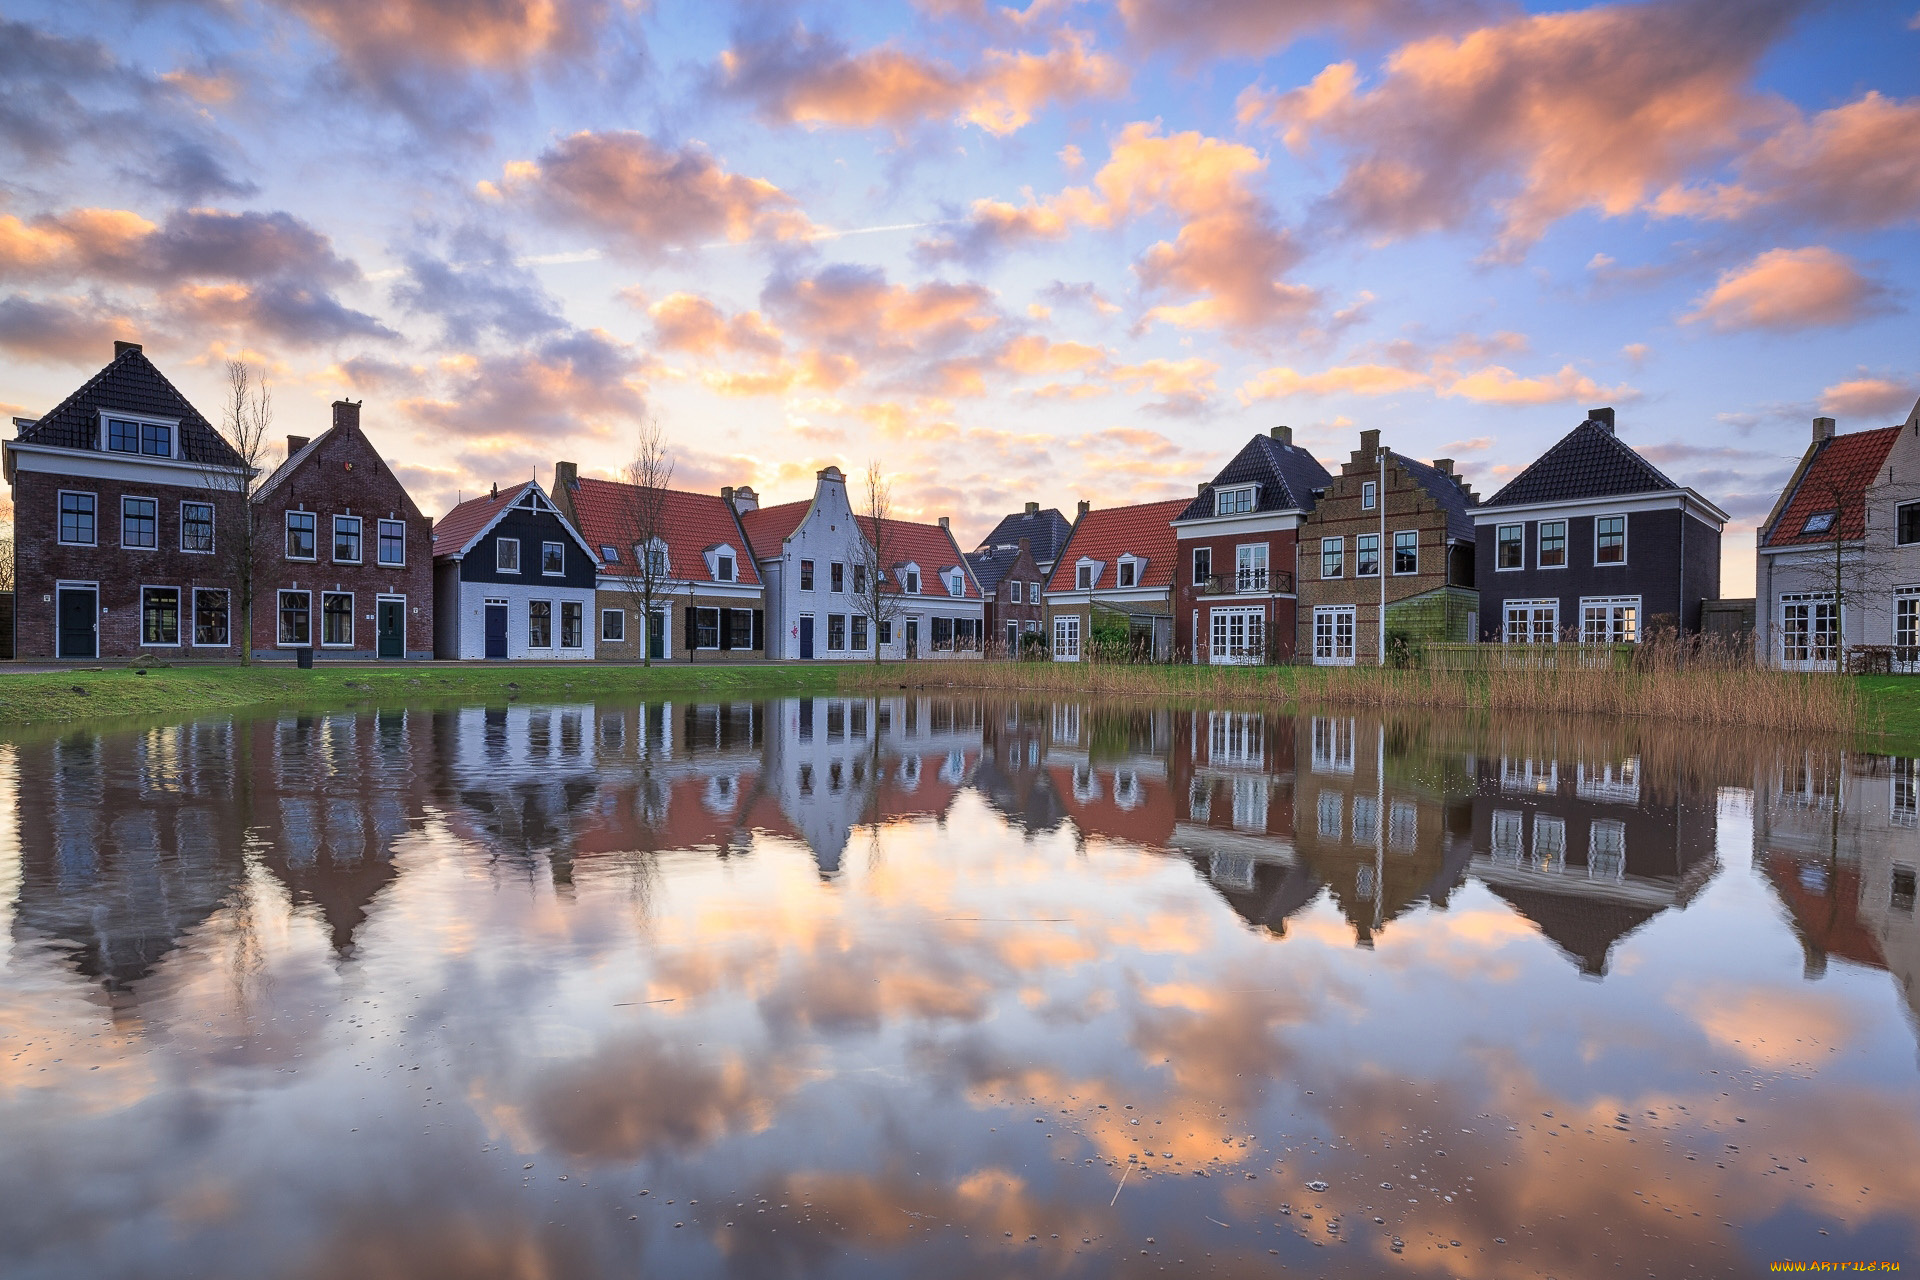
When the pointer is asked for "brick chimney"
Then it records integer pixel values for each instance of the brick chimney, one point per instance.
(1083, 510)
(1033, 508)
(1026, 545)
(566, 475)
(1822, 429)
(121, 348)
(944, 525)
(346, 413)
(296, 443)
(1200, 488)
(1444, 466)
(1370, 441)
(1602, 418)
(745, 499)
(1283, 434)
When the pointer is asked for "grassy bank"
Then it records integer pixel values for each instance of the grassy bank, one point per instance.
(69, 696)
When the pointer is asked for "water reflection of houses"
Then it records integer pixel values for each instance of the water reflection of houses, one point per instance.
(1837, 835)
(1108, 765)
(127, 844)
(1582, 844)
(517, 779)
(673, 776)
(1232, 782)
(1012, 774)
(1383, 826)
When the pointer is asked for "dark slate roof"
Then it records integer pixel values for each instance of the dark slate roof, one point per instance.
(133, 386)
(1586, 929)
(1588, 462)
(1446, 494)
(1287, 474)
(991, 566)
(1046, 532)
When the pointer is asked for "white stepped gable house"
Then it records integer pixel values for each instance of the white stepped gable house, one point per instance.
(814, 558)
(512, 578)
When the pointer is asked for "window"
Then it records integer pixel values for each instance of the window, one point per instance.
(159, 615)
(553, 558)
(1233, 502)
(1900, 891)
(1127, 571)
(139, 522)
(836, 577)
(1033, 592)
(1366, 820)
(613, 625)
(706, 628)
(393, 542)
(1553, 545)
(609, 555)
(1549, 843)
(943, 635)
(1906, 627)
(1368, 496)
(806, 575)
(1808, 623)
(151, 438)
(859, 634)
(1606, 849)
(957, 587)
(859, 579)
(123, 436)
(302, 536)
(1366, 556)
(506, 555)
(740, 629)
(1202, 566)
(296, 618)
(1609, 539)
(1066, 638)
(1333, 636)
(886, 631)
(1239, 635)
(1906, 523)
(1819, 522)
(1507, 836)
(336, 619)
(77, 519)
(723, 569)
(539, 624)
(155, 440)
(1333, 557)
(837, 631)
(346, 539)
(1510, 547)
(572, 625)
(1406, 551)
(1532, 621)
(911, 581)
(1614, 620)
(1250, 567)
(196, 527)
(1403, 824)
(210, 617)
(1330, 808)
(1013, 591)
(1083, 577)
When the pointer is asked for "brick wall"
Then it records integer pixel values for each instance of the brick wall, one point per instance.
(1223, 549)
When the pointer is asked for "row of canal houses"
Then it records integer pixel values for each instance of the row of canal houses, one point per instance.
(128, 518)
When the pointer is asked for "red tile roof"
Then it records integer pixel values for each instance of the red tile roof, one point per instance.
(1841, 471)
(694, 522)
(456, 528)
(1106, 535)
(907, 541)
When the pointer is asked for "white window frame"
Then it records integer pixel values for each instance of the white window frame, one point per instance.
(1333, 644)
(1237, 636)
(1898, 509)
(352, 620)
(125, 498)
(1091, 569)
(552, 622)
(359, 537)
(59, 528)
(194, 629)
(1598, 563)
(1549, 843)
(1607, 837)
(1033, 591)
(1240, 500)
(143, 422)
(380, 542)
(286, 538)
(723, 567)
(1539, 539)
(279, 619)
(1359, 561)
(1812, 602)
(1612, 607)
(1519, 540)
(1906, 629)
(1066, 638)
(581, 605)
(1369, 495)
(957, 585)
(1250, 567)
(177, 642)
(1406, 533)
(1530, 611)
(1013, 591)
(500, 564)
(1201, 579)
(1338, 548)
(621, 638)
(561, 548)
(212, 522)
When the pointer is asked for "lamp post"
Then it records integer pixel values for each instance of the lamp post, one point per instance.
(1380, 562)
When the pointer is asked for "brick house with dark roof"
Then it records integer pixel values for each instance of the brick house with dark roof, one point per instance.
(344, 561)
(127, 509)
(1839, 554)
(709, 604)
(1388, 528)
(1593, 543)
(1118, 562)
(1045, 531)
(1238, 549)
(1012, 580)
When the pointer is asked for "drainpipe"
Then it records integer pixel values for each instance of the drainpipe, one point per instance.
(1380, 562)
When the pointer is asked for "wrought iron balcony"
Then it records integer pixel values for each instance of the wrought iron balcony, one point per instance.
(1255, 582)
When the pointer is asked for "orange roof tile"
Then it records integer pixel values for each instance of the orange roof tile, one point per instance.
(907, 541)
(1106, 535)
(693, 522)
(456, 528)
(1838, 478)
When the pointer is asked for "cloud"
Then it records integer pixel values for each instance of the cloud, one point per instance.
(1358, 380)
(1496, 384)
(798, 77)
(854, 309)
(1255, 28)
(583, 382)
(196, 244)
(79, 330)
(1789, 289)
(1539, 116)
(477, 288)
(1870, 397)
(646, 197)
(281, 309)
(689, 322)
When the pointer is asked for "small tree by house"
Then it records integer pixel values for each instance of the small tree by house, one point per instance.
(247, 423)
(643, 521)
(877, 599)
(6, 544)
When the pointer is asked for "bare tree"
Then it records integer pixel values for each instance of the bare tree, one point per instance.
(877, 597)
(247, 423)
(643, 522)
(6, 544)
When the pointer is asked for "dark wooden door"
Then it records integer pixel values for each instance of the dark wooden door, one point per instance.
(656, 636)
(79, 623)
(393, 628)
(913, 637)
(806, 637)
(496, 631)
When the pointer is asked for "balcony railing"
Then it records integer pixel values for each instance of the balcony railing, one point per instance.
(1248, 582)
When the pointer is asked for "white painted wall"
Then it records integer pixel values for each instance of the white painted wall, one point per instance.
(473, 619)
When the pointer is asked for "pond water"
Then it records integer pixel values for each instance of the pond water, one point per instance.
(932, 987)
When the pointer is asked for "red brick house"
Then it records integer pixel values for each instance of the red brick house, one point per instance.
(345, 559)
(1235, 584)
(127, 506)
(1016, 606)
(1118, 563)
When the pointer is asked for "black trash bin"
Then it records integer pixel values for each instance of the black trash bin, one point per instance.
(304, 657)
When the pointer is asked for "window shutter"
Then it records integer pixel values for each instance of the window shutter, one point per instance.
(759, 630)
(693, 632)
(726, 628)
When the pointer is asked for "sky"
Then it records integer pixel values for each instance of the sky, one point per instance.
(1055, 252)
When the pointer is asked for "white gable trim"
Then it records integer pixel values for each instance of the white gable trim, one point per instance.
(543, 504)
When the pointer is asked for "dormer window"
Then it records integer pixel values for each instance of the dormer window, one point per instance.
(127, 435)
(654, 557)
(1233, 502)
(1086, 575)
(957, 585)
(912, 581)
(1819, 522)
(723, 568)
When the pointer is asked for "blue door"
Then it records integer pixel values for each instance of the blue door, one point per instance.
(496, 631)
(79, 623)
(806, 636)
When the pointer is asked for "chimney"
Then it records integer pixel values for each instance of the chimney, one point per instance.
(944, 525)
(346, 413)
(1283, 434)
(121, 348)
(745, 499)
(1083, 510)
(1026, 545)
(1444, 466)
(1602, 418)
(495, 493)
(296, 443)
(1033, 508)
(726, 493)
(1370, 441)
(565, 476)
(1822, 429)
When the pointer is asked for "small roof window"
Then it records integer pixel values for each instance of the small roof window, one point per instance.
(1819, 522)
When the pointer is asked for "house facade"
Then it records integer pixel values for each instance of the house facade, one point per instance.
(707, 604)
(813, 558)
(344, 559)
(1839, 554)
(1015, 606)
(1045, 531)
(1238, 547)
(1388, 530)
(512, 579)
(1593, 543)
(128, 510)
(1116, 569)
